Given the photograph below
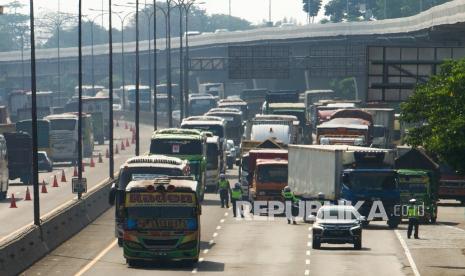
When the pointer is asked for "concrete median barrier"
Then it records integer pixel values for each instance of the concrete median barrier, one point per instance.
(24, 249)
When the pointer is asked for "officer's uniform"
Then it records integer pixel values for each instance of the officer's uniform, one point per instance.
(236, 195)
(290, 199)
(413, 221)
(224, 189)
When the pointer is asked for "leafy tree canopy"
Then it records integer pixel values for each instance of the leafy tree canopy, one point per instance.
(437, 112)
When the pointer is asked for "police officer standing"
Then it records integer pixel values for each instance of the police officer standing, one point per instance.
(413, 220)
(224, 189)
(292, 201)
(236, 195)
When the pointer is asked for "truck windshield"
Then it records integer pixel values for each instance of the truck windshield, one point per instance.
(63, 124)
(272, 173)
(212, 156)
(372, 181)
(176, 147)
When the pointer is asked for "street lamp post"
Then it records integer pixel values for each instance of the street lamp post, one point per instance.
(168, 63)
(35, 168)
(181, 61)
(110, 90)
(137, 109)
(155, 77)
(80, 98)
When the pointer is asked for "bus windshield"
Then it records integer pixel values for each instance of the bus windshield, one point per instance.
(141, 173)
(217, 130)
(176, 147)
(63, 124)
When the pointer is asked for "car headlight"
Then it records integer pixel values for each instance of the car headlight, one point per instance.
(355, 227)
(324, 141)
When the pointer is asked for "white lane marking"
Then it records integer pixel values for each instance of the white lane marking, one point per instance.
(307, 262)
(194, 271)
(310, 228)
(211, 242)
(218, 227)
(97, 258)
(308, 253)
(222, 221)
(205, 251)
(407, 253)
(309, 244)
(226, 214)
(309, 236)
(307, 272)
(215, 234)
(201, 260)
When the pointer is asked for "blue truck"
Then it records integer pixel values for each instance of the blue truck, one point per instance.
(347, 173)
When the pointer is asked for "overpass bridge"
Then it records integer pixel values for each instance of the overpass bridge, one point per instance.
(386, 58)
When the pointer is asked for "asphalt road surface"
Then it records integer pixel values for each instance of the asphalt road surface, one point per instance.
(261, 246)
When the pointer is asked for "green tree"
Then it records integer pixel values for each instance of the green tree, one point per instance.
(13, 28)
(437, 110)
(339, 10)
(313, 9)
(344, 88)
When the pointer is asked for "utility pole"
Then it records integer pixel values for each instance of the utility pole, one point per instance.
(168, 67)
(230, 16)
(35, 158)
(80, 99)
(269, 12)
(110, 91)
(137, 80)
(181, 61)
(155, 78)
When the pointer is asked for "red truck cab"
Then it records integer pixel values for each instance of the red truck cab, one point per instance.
(268, 168)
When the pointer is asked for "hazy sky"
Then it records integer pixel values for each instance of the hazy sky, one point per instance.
(252, 10)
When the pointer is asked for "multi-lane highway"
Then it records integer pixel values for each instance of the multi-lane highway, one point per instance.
(260, 246)
(20, 217)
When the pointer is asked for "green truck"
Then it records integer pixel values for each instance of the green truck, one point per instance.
(418, 178)
(419, 184)
(187, 144)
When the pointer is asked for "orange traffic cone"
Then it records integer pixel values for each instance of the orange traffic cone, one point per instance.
(63, 176)
(28, 195)
(126, 125)
(116, 150)
(44, 188)
(127, 143)
(122, 146)
(92, 163)
(75, 174)
(55, 182)
(13, 201)
(100, 160)
(107, 154)
(133, 140)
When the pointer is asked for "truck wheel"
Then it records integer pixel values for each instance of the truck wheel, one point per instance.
(433, 219)
(316, 244)
(132, 263)
(393, 224)
(358, 244)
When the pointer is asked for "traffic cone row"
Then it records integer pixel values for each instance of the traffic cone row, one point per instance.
(100, 160)
(44, 188)
(107, 154)
(122, 145)
(92, 163)
(63, 176)
(13, 201)
(28, 195)
(127, 143)
(55, 182)
(117, 149)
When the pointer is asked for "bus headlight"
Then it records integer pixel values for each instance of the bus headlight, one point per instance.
(324, 141)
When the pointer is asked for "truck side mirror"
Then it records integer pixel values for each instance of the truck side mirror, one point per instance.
(112, 195)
